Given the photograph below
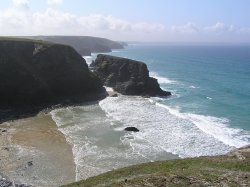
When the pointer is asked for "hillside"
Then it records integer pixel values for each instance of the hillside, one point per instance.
(85, 45)
(228, 170)
(37, 73)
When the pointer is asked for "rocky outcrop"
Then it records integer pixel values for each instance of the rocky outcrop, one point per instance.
(133, 129)
(36, 73)
(128, 77)
(84, 45)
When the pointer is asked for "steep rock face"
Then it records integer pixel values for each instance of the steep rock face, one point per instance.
(84, 45)
(37, 73)
(128, 77)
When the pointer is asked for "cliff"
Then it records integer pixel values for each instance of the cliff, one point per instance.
(232, 169)
(128, 77)
(84, 45)
(36, 73)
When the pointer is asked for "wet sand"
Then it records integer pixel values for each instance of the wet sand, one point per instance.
(34, 152)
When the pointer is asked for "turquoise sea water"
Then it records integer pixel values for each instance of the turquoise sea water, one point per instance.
(208, 113)
(205, 80)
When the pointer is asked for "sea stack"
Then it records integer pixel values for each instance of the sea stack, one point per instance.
(34, 73)
(126, 76)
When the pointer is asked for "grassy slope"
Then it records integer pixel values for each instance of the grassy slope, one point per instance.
(19, 39)
(228, 170)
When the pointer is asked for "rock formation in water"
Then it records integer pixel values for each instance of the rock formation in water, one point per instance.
(36, 73)
(128, 77)
(84, 45)
(133, 129)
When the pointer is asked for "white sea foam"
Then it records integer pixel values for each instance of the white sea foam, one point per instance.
(95, 140)
(88, 59)
(99, 143)
(162, 80)
(194, 87)
(187, 135)
(216, 127)
(109, 89)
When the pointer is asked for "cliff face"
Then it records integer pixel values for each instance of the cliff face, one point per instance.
(128, 77)
(84, 45)
(37, 73)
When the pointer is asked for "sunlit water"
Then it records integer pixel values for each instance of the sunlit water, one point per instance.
(208, 113)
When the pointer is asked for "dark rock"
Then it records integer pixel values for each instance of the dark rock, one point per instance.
(30, 163)
(37, 73)
(4, 130)
(6, 149)
(134, 129)
(128, 77)
(4, 181)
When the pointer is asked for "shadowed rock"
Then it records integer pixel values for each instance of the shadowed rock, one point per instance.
(134, 129)
(128, 77)
(35, 73)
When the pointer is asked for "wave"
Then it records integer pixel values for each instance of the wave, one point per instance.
(216, 127)
(109, 89)
(99, 142)
(187, 135)
(194, 87)
(88, 59)
(162, 80)
(95, 140)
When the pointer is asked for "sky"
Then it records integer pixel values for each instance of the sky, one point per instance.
(126, 20)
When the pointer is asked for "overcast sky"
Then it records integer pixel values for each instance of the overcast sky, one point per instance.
(130, 20)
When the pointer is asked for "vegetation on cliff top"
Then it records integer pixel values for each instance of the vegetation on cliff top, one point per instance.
(36, 73)
(17, 39)
(84, 45)
(229, 170)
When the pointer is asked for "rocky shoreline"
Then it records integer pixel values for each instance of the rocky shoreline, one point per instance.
(126, 76)
(37, 75)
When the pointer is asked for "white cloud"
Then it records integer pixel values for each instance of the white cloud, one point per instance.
(232, 28)
(21, 4)
(189, 28)
(218, 27)
(54, 22)
(54, 2)
(245, 30)
(18, 20)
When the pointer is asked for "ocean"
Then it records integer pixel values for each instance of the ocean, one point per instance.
(207, 114)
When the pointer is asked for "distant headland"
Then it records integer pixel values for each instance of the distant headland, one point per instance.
(84, 45)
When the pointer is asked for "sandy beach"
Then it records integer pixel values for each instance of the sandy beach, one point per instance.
(73, 143)
(34, 152)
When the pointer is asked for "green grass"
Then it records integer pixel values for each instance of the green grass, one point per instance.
(204, 171)
(20, 39)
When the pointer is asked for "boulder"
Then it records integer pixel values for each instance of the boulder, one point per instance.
(40, 73)
(134, 129)
(126, 76)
